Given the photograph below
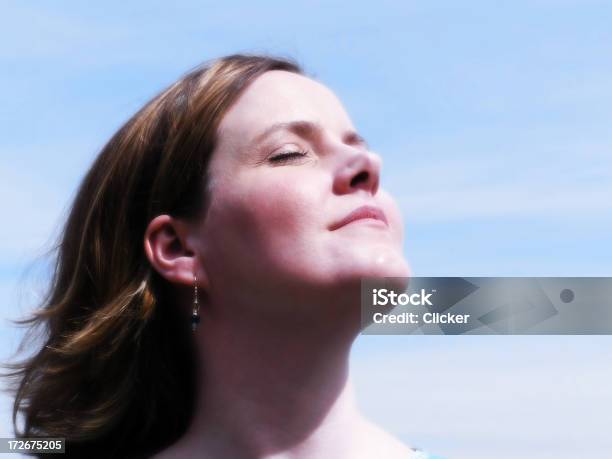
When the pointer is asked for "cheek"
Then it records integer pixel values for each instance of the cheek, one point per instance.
(265, 218)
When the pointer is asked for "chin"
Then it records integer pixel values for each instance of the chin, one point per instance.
(377, 267)
(382, 263)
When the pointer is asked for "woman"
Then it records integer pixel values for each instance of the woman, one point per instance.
(241, 204)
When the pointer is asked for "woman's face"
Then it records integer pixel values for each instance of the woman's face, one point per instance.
(287, 170)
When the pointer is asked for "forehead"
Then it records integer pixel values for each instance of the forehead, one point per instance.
(278, 96)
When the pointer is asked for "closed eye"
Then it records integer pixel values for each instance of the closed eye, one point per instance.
(287, 156)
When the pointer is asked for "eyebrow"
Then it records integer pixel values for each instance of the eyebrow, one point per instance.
(309, 130)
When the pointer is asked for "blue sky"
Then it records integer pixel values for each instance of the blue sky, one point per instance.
(493, 119)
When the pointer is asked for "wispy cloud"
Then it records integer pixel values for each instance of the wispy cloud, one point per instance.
(554, 182)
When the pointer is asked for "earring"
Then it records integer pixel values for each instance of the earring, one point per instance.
(195, 315)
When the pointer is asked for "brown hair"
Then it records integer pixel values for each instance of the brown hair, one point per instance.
(115, 374)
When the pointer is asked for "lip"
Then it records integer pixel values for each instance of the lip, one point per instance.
(363, 212)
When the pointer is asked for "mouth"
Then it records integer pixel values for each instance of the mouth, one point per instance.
(362, 213)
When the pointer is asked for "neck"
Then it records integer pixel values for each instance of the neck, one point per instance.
(274, 390)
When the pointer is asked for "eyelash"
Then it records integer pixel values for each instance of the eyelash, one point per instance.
(287, 156)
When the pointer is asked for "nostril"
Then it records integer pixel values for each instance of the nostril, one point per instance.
(361, 177)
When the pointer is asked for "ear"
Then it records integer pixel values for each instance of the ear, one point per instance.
(166, 247)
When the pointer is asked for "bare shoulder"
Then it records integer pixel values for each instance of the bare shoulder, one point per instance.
(381, 443)
(372, 442)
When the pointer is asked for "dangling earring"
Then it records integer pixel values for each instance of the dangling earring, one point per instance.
(195, 315)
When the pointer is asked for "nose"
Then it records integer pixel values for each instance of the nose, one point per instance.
(360, 171)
